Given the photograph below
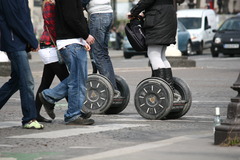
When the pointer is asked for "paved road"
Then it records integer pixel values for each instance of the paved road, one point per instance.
(127, 135)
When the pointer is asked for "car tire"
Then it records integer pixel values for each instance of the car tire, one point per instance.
(146, 55)
(214, 53)
(188, 49)
(127, 55)
(200, 51)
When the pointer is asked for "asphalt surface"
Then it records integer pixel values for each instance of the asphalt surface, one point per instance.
(127, 135)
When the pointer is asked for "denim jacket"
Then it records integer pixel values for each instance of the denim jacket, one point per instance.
(16, 26)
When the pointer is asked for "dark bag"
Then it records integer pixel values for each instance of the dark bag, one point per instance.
(135, 34)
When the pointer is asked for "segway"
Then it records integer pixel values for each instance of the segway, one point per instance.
(100, 94)
(154, 99)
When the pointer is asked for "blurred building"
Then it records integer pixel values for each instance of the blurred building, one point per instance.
(122, 7)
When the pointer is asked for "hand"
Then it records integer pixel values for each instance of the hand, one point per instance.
(35, 49)
(90, 40)
(87, 47)
(129, 16)
(141, 14)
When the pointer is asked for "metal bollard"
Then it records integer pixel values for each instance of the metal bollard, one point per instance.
(229, 130)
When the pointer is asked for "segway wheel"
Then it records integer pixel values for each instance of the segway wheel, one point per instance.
(99, 95)
(153, 98)
(119, 104)
(182, 99)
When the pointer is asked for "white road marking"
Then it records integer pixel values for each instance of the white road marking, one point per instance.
(136, 148)
(8, 124)
(210, 101)
(78, 131)
(7, 145)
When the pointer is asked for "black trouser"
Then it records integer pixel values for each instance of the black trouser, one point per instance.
(49, 72)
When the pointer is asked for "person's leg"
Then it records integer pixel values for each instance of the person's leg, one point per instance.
(47, 78)
(61, 90)
(163, 57)
(154, 55)
(99, 28)
(61, 71)
(20, 65)
(157, 64)
(168, 69)
(10, 87)
(76, 80)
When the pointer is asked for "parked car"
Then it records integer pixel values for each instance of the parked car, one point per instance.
(200, 23)
(184, 44)
(227, 38)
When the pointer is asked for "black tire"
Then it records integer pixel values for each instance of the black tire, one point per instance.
(99, 94)
(145, 55)
(116, 108)
(214, 53)
(189, 49)
(153, 98)
(127, 55)
(183, 90)
(200, 51)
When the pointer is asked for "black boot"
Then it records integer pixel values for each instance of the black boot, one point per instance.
(169, 77)
(159, 73)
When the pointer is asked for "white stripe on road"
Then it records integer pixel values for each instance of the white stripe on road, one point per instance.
(136, 148)
(8, 124)
(78, 131)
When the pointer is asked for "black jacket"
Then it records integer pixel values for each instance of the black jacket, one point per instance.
(160, 21)
(70, 20)
(16, 26)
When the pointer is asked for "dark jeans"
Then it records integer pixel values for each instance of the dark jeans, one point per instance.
(49, 72)
(22, 80)
(100, 24)
(74, 86)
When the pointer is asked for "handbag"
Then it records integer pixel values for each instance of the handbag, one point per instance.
(60, 59)
(48, 55)
(135, 34)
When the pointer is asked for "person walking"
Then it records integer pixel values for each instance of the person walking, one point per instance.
(73, 39)
(220, 4)
(49, 54)
(17, 36)
(160, 28)
(100, 22)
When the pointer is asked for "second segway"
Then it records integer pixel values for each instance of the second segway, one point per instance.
(100, 95)
(154, 99)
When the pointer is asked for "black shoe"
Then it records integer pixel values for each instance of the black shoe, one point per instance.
(169, 77)
(81, 121)
(49, 107)
(85, 115)
(42, 119)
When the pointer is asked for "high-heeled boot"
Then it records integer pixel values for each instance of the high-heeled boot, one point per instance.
(159, 73)
(169, 77)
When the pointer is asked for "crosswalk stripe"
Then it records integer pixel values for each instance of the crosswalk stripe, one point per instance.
(8, 124)
(78, 131)
(137, 148)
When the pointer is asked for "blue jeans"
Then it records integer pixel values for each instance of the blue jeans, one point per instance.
(22, 80)
(74, 86)
(100, 24)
